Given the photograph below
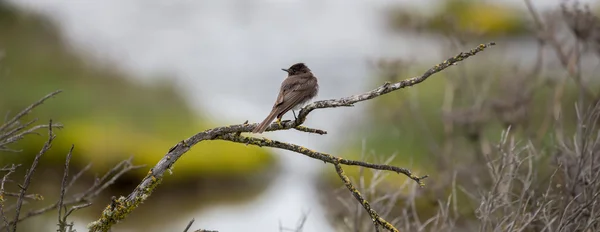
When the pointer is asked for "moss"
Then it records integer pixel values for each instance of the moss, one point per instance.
(120, 208)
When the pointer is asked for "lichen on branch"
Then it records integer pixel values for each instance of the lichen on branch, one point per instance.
(121, 207)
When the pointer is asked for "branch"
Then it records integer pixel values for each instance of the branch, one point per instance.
(121, 207)
(189, 225)
(387, 87)
(29, 175)
(336, 161)
(82, 199)
(377, 220)
(35, 197)
(10, 170)
(547, 36)
(263, 142)
(13, 138)
(27, 110)
(12, 130)
(62, 222)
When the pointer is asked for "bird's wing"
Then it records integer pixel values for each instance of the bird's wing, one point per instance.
(288, 85)
(279, 98)
(293, 96)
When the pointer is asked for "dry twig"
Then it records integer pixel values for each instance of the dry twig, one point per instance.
(11, 131)
(29, 175)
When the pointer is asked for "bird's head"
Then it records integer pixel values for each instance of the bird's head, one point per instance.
(298, 68)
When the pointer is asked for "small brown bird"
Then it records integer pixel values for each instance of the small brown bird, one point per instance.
(296, 90)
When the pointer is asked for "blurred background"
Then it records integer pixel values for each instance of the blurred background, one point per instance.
(139, 76)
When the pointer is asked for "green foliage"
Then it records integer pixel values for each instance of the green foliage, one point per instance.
(464, 17)
(106, 115)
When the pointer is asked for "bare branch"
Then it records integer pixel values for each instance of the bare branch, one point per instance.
(29, 175)
(189, 225)
(16, 129)
(377, 220)
(299, 225)
(77, 176)
(27, 110)
(200, 230)
(63, 187)
(318, 155)
(36, 197)
(310, 130)
(10, 170)
(122, 206)
(32, 130)
(75, 208)
(568, 60)
(83, 199)
(387, 87)
(12, 130)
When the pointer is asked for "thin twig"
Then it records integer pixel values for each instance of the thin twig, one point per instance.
(84, 198)
(377, 220)
(565, 59)
(29, 175)
(16, 129)
(28, 109)
(36, 197)
(77, 176)
(63, 187)
(189, 225)
(12, 169)
(75, 208)
(319, 155)
(387, 88)
(32, 130)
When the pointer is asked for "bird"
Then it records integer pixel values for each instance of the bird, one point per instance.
(296, 90)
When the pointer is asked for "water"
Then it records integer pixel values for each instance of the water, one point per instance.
(226, 56)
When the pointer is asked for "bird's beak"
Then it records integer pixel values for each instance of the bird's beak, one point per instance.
(286, 70)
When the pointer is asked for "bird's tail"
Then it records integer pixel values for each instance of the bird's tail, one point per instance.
(265, 123)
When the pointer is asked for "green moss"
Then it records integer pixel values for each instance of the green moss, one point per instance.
(120, 208)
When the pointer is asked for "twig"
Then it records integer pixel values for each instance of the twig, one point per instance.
(310, 130)
(28, 109)
(10, 170)
(262, 142)
(85, 198)
(299, 225)
(189, 225)
(63, 186)
(11, 131)
(29, 175)
(565, 59)
(200, 230)
(77, 176)
(77, 207)
(125, 166)
(387, 88)
(377, 220)
(16, 129)
(36, 197)
(123, 206)
(19, 136)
